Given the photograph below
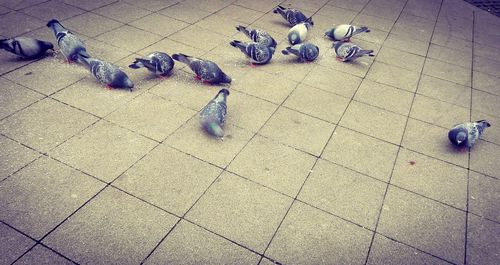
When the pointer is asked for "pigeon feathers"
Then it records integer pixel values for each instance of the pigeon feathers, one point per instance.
(467, 133)
(258, 36)
(305, 51)
(107, 73)
(256, 52)
(292, 16)
(69, 44)
(159, 63)
(213, 115)
(26, 47)
(206, 70)
(347, 51)
(344, 32)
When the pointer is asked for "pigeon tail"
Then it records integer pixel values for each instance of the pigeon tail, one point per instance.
(226, 79)
(55, 25)
(243, 29)
(360, 30)
(484, 123)
(4, 43)
(136, 65)
(279, 9)
(365, 52)
(285, 52)
(181, 58)
(214, 129)
(83, 60)
(237, 44)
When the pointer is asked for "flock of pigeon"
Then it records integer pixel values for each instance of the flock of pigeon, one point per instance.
(259, 51)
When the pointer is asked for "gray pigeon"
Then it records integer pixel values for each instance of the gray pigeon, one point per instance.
(107, 73)
(69, 44)
(159, 63)
(256, 52)
(258, 35)
(344, 32)
(26, 47)
(298, 33)
(305, 51)
(347, 51)
(205, 70)
(293, 16)
(466, 134)
(213, 115)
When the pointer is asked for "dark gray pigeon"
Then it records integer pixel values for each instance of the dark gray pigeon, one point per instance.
(256, 52)
(305, 51)
(293, 16)
(467, 133)
(69, 44)
(347, 51)
(205, 70)
(344, 32)
(159, 63)
(258, 35)
(213, 115)
(107, 73)
(26, 47)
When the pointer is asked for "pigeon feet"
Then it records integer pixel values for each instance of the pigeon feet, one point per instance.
(108, 87)
(197, 77)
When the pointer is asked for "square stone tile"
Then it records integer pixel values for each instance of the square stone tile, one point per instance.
(279, 167)
(248, 112)
(484, 196)
(121, 37)
(486, 51)
(425, 224)
(230, 60)
(192, 139)
(305, 6)
(449, 72)
(356, 5)
(191, 244)
(14, 156)
(17, 5)
(45, 124)
(341, 14)
(444, 91)
(240, 13)
(485, 82)
(240, 210)
(112, 223)
(433, 141)
(91, 24)
(104, 51)
(375, 36)
(199, 38)
(452, 56)
(386, 251)
(156, 23)
(103, 150)
(153, 5)
(361, 153)
(42, 255)
(384, 96)
(16, 23)
(424, 9)
(259, 5)
(308, 235)
(168, 179)
(264, 85)
(374, 122)
(408, 45)
(219, 24)
(185, 12)
(393, 76)
(122, 12)
(438, 112)
(333, 81)
(10, 61)
(454, 28)
(52, 9)
(482, 245)
(208, 5)
(272, 22)
(487, 65)
(344, 193)
(432, 178)
(151, 116)
(298, 130)
(401, 59)
(286, 66)
(15, 97)
(318, 103)
(381, 10)
(40, 196)
(448, 41)
(374, 22)
(12, 244)
(170, 47)
(485, 102)
(480, 158)
(89, 5)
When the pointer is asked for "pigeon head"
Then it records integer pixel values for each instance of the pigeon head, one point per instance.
(52, 22)
(458, 136)
(485, 122)
(224, 91)
(309, 21)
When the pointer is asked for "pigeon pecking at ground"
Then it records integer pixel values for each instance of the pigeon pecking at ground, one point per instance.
(293, 16)
(347, 51)
(213, 115)
(305, 51)
(467, 133)
(344, 32)
(69, 44)
(159, 63)
(26, 47)
(258, 35)
(205, 70)
(107, 73)
(256, 52)
(298, 33)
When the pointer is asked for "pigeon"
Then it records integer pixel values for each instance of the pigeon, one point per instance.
(258, 53)
(205, 70)
(466, 134)
(344, 32)
(298, 33)
(258, 35)
(293, 16)
(159, 63)
(347, 51)
(305, 51)
(26, 47)
(71, 46)
(213, 115)
(107, 73)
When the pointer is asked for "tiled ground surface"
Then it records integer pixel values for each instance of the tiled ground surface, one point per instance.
(315, 166)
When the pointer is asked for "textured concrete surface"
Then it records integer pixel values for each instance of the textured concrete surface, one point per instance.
(322, 163)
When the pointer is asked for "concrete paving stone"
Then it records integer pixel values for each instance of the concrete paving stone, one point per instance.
(487, 39)
(484, 196)
(401, 59)
(89, 5)
(153, 5)
(489, 135)
(185, 12)
(384, 96)
(355, 5)
(449, 72)
(431, 178)
(43, 256)
(231, 60)
(333, 81)
(258, 5)
(438, 112)
(104, 51)
(113, 228)
(344, 192)
(12, 244)
(15, 97)
(308, 235)
(279, 167)
(16, 5)
(479, 158)
(486, 65)
(192, 139)
(324, 22)
(337, 12)
(151, 116)
(374, 122)
(308, 7)
(45, 124)
(416, 22)
(433, 141)
(40, 196)
(445, 40)
(373, 22)
(266, 261)
(122, 37)
(241, 211)
(155, 23)
(221, 25)
(272, 22)
(9, 61)
(241, 14)
(375, 36)
(52, 9)
(14, 156)
(485, 102)
(408, 45)
(168, 179)
(298, 130)
(452, 56)
(91, 24)
(375, 9)
(482, 246)
(361, 153)
(412, 33)
(208, 5)
(103, 150)
(170, 47)
(455, 27)
(318, 103)
(190, 244)
(199, 38)
(424, 9)
(248, 112)
(16, 23)
(122, 11)
(394, 76)
(288, 67)
(424, 224)
(486, 51)
(444, 91)
(389, 252)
